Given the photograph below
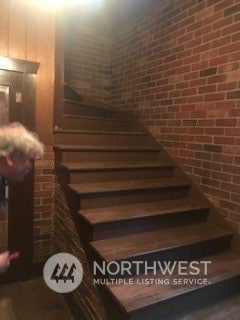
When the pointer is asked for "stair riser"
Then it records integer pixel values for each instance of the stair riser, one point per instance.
(78, 109)
(185, 303)
(102, 139)
(96, 124)
(128, 227)
(88, 201)
(112, 175)
(189, 252)
(78, 156)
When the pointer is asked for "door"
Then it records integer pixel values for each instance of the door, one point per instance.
(16, 199)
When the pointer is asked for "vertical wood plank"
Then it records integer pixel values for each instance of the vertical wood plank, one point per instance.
(32, 22)
(45, 75)
(17, 29)
(4, 27)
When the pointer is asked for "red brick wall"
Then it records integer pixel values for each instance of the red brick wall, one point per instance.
(87, 67)
(66, 239)
(43, 206)
(178, 67)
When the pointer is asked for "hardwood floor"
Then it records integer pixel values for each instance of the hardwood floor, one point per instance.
(32, 300)
(222, 310)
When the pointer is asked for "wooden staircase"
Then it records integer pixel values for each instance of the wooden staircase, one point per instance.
(134, 203)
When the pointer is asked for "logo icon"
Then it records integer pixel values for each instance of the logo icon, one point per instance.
(63, 272)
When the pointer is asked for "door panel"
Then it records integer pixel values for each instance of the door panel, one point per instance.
(4, 119)
(17, 220)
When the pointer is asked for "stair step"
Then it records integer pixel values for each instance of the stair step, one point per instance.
(79, 108)
(110, 165)
(75, 131)
(228, 308)
(66, 115)
(65, 147)
(112, 193)
(108, 222)
(160, 301)
(175, 241)
(139, 210)
(84, 137)
(70, 121)
(103, 152)
(128, 185)
(76, 172)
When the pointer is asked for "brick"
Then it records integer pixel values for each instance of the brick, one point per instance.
(203, 48)
(214, 96)
(226, 122)
(231, 187)
(231, 149)
(227, 86)
(186, 153)
(212, 148)
(205, 123)
(232, 132)
(189, 123)
(208, 72)
(214, 131)
(224, 140)
(222, 22)
(211, 182)
(195, 99)
(232, 10)
(223, 41)
(233, 94)
(235, 46)
(200, 65)
(166, 102)
(217, 79)
(218, 60)
(211, 35)
(221, 176)
(207, 88)
(203, 139)
(222, 194)
(203, 155)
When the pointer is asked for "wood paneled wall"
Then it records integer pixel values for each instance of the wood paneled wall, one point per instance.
(27, 31)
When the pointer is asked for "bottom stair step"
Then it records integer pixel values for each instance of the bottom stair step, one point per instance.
(148, 297)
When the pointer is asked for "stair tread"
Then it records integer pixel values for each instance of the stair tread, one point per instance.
(77, 166)
(66, 115)
(124, 185)
(77, 147)
(229, 308)
(149, 242)
(133, 297)
(133, 211)
(140, 133)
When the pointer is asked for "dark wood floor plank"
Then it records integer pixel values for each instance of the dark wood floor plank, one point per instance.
(222, 310)
(34, 300)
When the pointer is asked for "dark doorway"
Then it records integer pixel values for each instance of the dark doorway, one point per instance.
(17, 103)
